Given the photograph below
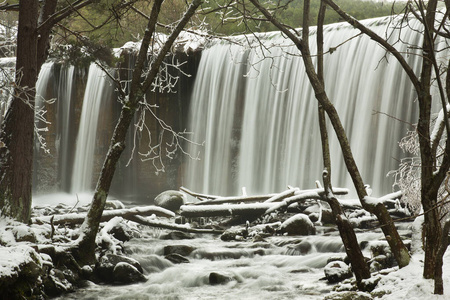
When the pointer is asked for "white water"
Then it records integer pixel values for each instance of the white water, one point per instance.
(65, 120)
(270, 269)
(97, 90)
(279, 143)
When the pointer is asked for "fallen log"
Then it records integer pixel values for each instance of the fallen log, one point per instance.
(159, 224)
(288, 201)
(249, 209)
(266, 198)
(78, 218)
(231, 199)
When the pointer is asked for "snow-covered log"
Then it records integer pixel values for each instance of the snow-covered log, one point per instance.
(268, 197)
(159, 224)
(195, 211)
(75, 218)
(288, 201)
(231, 199)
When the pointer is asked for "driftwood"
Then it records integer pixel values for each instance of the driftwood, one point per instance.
(75, 218)
(159, 224)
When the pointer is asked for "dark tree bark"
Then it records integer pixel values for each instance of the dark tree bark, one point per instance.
(348, 236)
(16, 137)
(84, 250)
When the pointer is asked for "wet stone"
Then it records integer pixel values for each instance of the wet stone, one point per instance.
(177, 258)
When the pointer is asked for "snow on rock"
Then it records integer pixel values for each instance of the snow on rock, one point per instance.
(299, 224)
(337, 271)
(19, 263)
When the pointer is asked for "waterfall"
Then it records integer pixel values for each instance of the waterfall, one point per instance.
(65, 125)
(97, 91)
(257, 113)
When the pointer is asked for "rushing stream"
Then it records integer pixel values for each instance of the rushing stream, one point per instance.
(279, 267)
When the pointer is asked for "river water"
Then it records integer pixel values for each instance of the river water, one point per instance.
(278, 267)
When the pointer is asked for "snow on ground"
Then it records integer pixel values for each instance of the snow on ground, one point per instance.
(408, 283)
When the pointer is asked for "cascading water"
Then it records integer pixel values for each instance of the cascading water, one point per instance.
(65, 127)
(97, 90)
(279, 139)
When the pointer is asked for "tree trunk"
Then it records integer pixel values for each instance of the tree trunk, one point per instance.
(16, 137)
(348, 236)
(438, 282)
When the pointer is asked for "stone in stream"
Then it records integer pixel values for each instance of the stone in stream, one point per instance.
(105, 268)
(124, 273)
(183, 250)
(219, 278)
(177, 235)
(337, 271)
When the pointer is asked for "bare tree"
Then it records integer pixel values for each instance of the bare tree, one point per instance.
(142, 79)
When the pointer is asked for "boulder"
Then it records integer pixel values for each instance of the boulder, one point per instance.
(105, 267)
(219, 278)
(171, 200)
(21, 275)
(124, 273)
(337, 271)
(177, 235)
(183, 250)
(299, 224)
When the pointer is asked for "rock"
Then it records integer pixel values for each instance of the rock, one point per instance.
(122, 232)
(20, 276)
(171, 200)
(337, 271)
(105, 267)
(219, 278)
(56, 284)
(177, 258)
(124, 273)
(177, 235)
(299, 224)
(183, 250)
(23, 233)
(234, 234)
